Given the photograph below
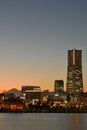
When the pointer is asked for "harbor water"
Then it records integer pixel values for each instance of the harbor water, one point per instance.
(43, 121)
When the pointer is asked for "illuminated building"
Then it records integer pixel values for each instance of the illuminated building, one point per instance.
(31, 89)
(59, 86)
(33, 93)
(74, 72)
(13, 104)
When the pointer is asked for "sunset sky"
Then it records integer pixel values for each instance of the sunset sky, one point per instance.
(34, 38)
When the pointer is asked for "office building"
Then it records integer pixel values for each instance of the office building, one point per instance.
(74, 72)
(59, 86)
(33, 93)
(26, 88)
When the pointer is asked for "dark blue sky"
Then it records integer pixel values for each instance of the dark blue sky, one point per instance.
(34, 38)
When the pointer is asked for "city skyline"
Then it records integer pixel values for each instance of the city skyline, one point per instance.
(34, 39)
(71, 59)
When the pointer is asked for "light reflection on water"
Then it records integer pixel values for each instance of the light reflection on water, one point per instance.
(43, 121)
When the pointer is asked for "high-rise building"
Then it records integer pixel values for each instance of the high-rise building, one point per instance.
(59, 86)
(74, 72)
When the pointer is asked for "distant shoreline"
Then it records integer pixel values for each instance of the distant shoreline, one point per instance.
(45, 111)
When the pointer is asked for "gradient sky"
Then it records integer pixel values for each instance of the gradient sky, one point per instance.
(34, 38)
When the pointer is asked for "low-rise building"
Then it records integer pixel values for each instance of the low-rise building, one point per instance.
(33, 93)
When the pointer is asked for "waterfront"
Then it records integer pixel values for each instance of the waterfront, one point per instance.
(43, 121)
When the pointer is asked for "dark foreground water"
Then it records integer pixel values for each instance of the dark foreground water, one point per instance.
(43, 121)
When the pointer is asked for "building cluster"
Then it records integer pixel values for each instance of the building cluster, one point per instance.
(31, 96)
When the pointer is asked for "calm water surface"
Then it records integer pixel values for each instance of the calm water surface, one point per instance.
(43, 121)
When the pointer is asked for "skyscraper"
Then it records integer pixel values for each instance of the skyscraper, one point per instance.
(59, 86)
(74, 72)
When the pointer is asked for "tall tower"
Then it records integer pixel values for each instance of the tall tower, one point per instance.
(74, 72)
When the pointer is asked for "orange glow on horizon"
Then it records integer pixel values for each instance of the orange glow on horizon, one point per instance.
(16, 79)
(18, 85)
